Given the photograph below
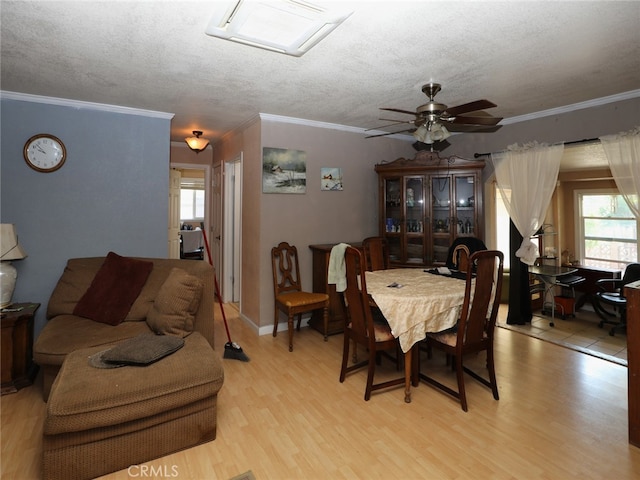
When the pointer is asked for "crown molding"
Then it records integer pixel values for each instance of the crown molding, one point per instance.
(332, 126)
(65, 102)
(300, 121)
(506, 121)
(573, 107)
(310, 123)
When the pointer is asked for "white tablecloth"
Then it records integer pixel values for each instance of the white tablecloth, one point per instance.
(425, 303)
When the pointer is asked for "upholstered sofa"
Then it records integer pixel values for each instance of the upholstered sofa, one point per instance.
(65, 332)
(101, 420)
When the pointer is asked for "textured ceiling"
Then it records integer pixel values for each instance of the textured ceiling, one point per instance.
(524, 56)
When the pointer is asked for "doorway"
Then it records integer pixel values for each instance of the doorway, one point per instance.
(206, 173)
(232, 244)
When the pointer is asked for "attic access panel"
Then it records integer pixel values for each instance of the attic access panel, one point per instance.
(291, 27)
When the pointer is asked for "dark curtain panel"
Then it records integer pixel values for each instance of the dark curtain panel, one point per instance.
(519, 296)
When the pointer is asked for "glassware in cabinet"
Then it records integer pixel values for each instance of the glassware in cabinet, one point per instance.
(465, 206)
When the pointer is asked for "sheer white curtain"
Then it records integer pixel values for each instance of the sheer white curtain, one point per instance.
(530, 171)
(623, 153)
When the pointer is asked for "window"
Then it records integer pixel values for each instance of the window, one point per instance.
(607, 230)
(503, 223)
(191, 199)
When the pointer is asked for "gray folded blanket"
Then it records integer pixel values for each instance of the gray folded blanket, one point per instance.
(141, 350)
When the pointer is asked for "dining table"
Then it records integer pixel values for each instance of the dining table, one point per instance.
(416, 302)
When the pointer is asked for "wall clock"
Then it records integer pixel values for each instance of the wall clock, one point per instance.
(44, 153)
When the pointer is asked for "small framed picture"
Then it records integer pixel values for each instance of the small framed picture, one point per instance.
(331, 178)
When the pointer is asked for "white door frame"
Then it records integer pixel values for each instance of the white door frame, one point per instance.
(232, 237)
(173, 232)
(207, 193)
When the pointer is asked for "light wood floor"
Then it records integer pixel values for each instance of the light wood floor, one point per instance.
(561, 415)
(580, 332)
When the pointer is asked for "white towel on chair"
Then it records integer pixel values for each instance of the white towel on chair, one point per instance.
(337, 272)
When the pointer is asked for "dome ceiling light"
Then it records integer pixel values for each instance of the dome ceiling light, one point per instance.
(196, 143)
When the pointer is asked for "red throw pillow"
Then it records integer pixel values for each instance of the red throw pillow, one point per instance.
(114, 289)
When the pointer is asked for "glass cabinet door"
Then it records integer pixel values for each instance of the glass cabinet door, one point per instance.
(393, 214)
(465, 217)
(414, 220)
(440, 218)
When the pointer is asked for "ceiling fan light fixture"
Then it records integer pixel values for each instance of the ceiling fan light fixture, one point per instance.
(196, 143)
(430, 133)
(291, 27)
(421, 134)
(439, 132)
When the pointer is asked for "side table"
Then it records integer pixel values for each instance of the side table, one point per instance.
(18, 369)
(320, 255)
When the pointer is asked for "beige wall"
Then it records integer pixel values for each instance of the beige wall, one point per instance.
(580, 124)
(585, 123)
(350, 215)
(246, 142)
(314, 217)
(181, 153)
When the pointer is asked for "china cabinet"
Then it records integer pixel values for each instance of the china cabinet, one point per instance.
(427, 202)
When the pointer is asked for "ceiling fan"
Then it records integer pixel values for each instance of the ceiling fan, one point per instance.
(428, 125)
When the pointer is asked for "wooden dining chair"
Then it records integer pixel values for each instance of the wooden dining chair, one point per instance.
(376, 254)
(288, 294)
(475, 329)
(361, 328)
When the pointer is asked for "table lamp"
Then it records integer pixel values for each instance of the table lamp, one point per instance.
(10, 249)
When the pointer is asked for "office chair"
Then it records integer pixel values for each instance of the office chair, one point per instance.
(610, 303)
(472, 245)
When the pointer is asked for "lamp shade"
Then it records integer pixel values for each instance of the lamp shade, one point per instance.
(10, 249)
(196, 142)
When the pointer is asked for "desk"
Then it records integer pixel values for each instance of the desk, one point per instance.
(551, 276)
(425, 303)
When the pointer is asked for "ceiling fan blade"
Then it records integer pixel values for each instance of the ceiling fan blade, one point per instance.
(400, 110)
(475, 120)
(388, 125)
(395, 120)
(391, 133)
(465, 128)
(469, 107)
